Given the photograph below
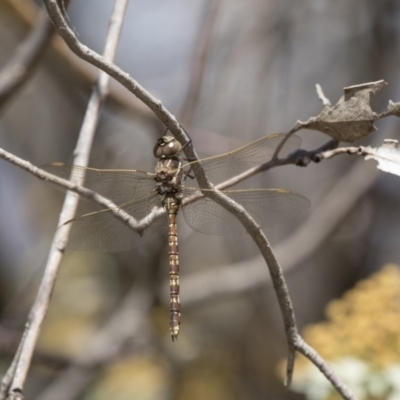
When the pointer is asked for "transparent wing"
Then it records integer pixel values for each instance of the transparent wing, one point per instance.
(225, 166)
(101, 231)
(266, 206)
(120, 185)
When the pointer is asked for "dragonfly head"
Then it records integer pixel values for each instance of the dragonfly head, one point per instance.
(166, 147)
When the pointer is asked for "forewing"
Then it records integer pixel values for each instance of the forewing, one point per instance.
(120, 186)
(101, 231)
(267, 206)
(220, 168)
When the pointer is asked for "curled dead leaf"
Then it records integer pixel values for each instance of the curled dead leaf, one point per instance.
(351, 118)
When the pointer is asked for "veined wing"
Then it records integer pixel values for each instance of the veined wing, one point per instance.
(225, 166)
(101, 231)
(267, 206)
(118, 185)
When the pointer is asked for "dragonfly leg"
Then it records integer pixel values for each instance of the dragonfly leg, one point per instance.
(189, 142)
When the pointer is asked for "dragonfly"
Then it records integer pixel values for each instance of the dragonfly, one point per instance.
(172, 187)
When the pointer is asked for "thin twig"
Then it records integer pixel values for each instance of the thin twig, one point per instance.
(351, 150)
(119, 213)
(25, 58)
(307, 351)
(81, 156)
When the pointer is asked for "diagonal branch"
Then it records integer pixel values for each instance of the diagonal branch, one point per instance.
(14, 381)
(307, 351)
(295, 342)
(275, 270)
(116, 210)
(118, 74)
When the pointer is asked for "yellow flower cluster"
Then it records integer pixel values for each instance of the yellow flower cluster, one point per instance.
(364, 323)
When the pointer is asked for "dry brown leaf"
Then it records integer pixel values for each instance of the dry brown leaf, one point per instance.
(352, 117)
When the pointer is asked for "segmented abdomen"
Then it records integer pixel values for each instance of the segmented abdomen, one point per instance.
(172, 207)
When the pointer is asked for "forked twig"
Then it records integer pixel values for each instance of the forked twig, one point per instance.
(12, 385)
(307, 351)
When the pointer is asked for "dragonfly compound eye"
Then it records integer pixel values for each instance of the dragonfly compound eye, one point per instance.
(167, 146)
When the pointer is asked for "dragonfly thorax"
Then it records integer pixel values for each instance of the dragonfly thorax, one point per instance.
(168, 176)
(166, 147)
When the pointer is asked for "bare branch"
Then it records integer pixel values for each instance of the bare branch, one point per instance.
(40, 306)
(278, 281)
(88, 194)
(351, 150)
(277, 278)
(293, 338)
(307, 351)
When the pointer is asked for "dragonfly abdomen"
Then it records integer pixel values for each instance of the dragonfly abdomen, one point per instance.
(172, 206)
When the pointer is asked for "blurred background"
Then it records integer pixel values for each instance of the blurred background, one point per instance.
(231, 72)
